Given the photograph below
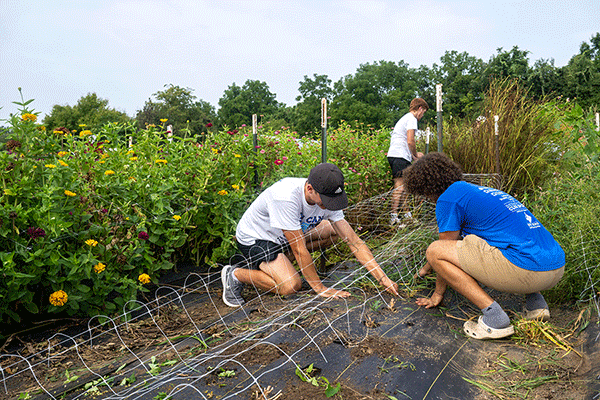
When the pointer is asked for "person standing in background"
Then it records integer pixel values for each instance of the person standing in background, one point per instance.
(402, 151)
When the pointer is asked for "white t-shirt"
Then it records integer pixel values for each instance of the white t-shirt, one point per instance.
(281, 206)
(398, 144)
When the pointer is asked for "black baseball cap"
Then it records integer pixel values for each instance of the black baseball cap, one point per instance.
(328, 181)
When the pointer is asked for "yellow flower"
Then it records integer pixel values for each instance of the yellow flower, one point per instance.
(129, 152)
(236, 155)
(85, 133)
(104, 155)
(70, 194)
(144, 278)
(62, 153)
(59, 298)
(160, 161)
(163, 120)
(176, 217)
(133, 158)
(222, 192)
(99, 267)
(29, 117)
(109, 172)
(215, 151)
(64, 164)
(101, 162)
(91, 242)
(41, 128)
(50, 166)
(132, 178)
(59, 132)
(82, 125)
(236, 187)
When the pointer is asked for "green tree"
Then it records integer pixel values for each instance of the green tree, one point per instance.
(378, 94)
(308, 108)
(90, 110)
(239, 103)
(545, 79)
(582, 74)
(507, 64)
(181, 110)
(460, 76)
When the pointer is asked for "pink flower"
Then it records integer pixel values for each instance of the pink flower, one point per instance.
(278, 162)
(262, 151)
(208, 125)
(143, 235)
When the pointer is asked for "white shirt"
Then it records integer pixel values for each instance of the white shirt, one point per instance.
(398, 144)
(282, 206)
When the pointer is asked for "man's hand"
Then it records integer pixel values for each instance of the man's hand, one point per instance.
(331, 292)
(431, 302)
(389, 285)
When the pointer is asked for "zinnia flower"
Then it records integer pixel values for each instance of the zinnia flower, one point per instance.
(35, 233)
(59, 298)
(64, 164)
(237, 155)
(160, 161)
(70, 194)
(133, 158)
(236, 187)
(143, 235)
(222, 192)
(91, 242)
(144, 278)
(50, 166)
(29, 117)
(109, 172)
(176, 217)
(163, 120)
(208, 125)
(278, 162)
(85, 133)
(99, 267)
(62, 153)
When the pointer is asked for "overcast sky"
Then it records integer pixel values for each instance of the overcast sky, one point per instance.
(126, 50)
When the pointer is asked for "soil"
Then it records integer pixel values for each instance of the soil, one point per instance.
(372, 352)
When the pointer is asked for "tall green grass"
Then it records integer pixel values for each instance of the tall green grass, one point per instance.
(526, 147)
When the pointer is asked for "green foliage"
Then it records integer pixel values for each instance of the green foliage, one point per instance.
(178, 107)
(238, 104)
(523, 124)
(90, 112)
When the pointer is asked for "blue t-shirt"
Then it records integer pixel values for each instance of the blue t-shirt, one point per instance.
(502, 221)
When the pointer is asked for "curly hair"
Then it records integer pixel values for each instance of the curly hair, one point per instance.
(431, 175)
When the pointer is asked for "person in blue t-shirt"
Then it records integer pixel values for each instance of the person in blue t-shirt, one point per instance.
(486, 236)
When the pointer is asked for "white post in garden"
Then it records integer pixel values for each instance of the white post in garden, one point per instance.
(497, 139)
(170, 133)
(130, 141)
(427, 135)
(323, 130)
(438, 103)
(598, 122)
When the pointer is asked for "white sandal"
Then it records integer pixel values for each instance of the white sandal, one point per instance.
(480, 330)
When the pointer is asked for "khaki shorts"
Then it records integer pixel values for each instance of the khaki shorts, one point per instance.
(487, 265)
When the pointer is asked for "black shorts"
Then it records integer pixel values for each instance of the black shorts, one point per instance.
(261, 250)
(398, 165)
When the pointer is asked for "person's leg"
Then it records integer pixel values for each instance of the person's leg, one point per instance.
(442, 255)
(278, 276)
(397, 195)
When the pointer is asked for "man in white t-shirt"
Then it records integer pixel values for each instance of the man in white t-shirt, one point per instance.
(402, 151)
(295, 216)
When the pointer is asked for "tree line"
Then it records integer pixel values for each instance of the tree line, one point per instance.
(377, 93)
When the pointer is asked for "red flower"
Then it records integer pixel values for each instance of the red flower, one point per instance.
(278, 162)
(208, 125)
(143, 235)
